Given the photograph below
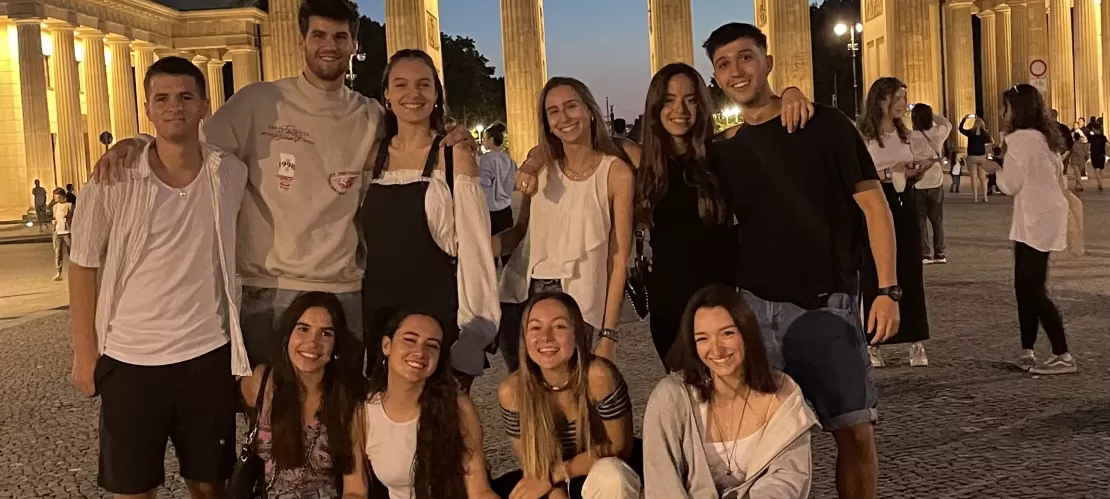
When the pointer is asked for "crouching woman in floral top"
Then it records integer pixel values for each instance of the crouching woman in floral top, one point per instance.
(309, 436)
(725, 424)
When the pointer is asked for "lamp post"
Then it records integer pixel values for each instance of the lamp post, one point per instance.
(361, 56)
(841, 29)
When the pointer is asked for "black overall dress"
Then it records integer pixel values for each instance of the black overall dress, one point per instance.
(405, 268)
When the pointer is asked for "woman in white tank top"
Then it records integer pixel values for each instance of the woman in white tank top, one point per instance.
(423, 437)
(577, 229)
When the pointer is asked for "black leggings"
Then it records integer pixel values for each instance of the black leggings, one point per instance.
(1035, 308)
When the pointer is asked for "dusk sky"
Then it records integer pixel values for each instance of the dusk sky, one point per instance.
(602, 42)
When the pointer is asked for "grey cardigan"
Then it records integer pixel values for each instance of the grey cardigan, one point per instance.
(675, 463)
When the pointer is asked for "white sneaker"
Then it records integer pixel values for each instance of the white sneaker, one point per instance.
(1027, 361)
(876, 356)
(58, 276)
(917, 355)
(1057, 364)
(927, 261)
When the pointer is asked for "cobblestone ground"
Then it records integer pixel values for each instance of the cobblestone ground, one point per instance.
(968, 426)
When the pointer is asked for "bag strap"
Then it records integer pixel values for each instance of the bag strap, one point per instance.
(259, 401)
(931, 146)
(638, 234)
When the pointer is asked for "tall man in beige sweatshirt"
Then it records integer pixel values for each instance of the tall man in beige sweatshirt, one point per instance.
(305, 141)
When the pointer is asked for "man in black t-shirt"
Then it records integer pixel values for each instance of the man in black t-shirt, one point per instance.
(1097, 140)
(803, 202)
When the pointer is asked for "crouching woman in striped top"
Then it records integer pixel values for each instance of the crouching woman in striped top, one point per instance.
(566, 411)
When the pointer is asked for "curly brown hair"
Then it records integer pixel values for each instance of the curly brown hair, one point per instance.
(878, 98)
(1028, 112)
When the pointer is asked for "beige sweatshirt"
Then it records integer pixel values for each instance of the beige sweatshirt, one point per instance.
(305, 151)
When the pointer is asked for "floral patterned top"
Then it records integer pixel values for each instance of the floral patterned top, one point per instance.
(313, 480)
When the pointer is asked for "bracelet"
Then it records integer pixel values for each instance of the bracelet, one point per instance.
(608, 333)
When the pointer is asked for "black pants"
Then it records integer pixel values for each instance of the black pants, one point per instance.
(930, 212)
(1035, 308)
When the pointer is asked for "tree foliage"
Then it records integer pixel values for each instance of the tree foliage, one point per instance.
(474, 95)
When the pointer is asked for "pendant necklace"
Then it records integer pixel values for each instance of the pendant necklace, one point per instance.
(730, 449)
(553, 388)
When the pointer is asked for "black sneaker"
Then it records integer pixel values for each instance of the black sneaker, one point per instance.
(940, 258)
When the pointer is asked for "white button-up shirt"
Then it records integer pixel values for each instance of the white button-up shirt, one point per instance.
(111, 228)
(1031, 173)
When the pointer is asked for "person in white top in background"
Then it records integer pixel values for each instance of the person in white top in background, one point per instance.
(158, 337)
(1033, 174)
(63, 214)
(930, 132)
(306, 141)
(498, 173)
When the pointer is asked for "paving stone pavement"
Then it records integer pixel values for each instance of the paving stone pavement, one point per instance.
(967, 426)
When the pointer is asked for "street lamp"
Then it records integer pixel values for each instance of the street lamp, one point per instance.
(841, 29)
(361, 56)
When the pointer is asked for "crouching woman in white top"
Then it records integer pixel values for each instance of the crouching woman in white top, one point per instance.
(725, 424)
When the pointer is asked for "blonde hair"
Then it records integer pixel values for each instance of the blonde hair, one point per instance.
(541, 450)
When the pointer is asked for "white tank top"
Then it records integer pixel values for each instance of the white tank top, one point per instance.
(391, 447)
(569, 236)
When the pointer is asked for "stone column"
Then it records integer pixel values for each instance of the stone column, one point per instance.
(244, 63)
(67, 102)
(1036, 23)
(916, 61)
(201, 62)
(98, 114)
(786, 23)
(285, 57)
(144, 58)
(125, 117)
(215, 84)
(1004, 51)
(414, 24)
(525, 52)
(1105, 56)
(670, 33)
(36, 117)
(959, 62)
(1088, 94)
(1060, 62)
(1019, 43)
(992, 95)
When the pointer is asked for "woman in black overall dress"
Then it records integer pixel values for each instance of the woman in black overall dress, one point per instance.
(427, 230)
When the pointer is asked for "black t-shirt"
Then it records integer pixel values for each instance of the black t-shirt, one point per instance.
(976, 142)
(800, 232)
(1098, 145)
(1065, 132)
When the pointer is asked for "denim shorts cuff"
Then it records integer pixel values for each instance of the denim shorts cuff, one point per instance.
(851, 419)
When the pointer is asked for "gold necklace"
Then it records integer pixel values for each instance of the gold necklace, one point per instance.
(578, 176)
(730, 449)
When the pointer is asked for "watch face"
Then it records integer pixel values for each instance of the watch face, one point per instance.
(894, 293)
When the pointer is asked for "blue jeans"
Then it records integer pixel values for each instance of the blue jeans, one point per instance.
(824, 351)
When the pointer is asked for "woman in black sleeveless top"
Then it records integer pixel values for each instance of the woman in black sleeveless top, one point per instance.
(425, 224)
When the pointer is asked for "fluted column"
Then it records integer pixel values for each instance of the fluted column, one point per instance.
(959, 62)
(786, 23)
(244, 64)
(670, 33)
(1088, 94)
(1060, 62)
(67, 101)
(524, 48)
(285, 57)
(992, 96)
(125, 117)
(215, 84)
(1036, 23)
(413, 24)
(36, 117)
(97, 109)
(1004, 51)
(1105, 57)
(915, 55)
(201, 62)
(1019, 43)
(144, 58)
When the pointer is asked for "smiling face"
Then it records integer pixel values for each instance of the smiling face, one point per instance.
(328, 46)
(313, 341)
(549, 334)
(680, 106)
(895, 105)
(411, 92)
(718, 340)
(175, 105)
(742, 68)
(413, 351)
(568, 116)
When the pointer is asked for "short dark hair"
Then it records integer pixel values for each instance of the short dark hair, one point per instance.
(921, 117)
(174, 65)
(336, 10)
(496, 133)
(730, 33)
(59, 192)
(620, 126)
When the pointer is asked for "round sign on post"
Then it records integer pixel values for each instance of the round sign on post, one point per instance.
(106, 138)
(1038, 75)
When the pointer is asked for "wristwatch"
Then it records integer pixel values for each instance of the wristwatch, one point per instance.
(608, 333)
(893, 292)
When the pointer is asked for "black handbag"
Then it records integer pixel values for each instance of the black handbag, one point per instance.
(248, 480)
(635, 285)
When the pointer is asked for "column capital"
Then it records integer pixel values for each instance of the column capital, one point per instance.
(199, 59)
(242, 49)
(113, 39)
(985, 14)
(215, 63)
(90, 34)
(138, 45)
(56, 25)
(28, 20)
(1002, 8)
(955, 4)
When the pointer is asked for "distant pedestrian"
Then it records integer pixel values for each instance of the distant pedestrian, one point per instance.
(1097, 142)
(39, 193)
(957, 170)
(63, 215)
(71, 196)
(498, 174)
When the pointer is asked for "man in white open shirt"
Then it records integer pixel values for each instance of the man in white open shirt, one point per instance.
(158, 338)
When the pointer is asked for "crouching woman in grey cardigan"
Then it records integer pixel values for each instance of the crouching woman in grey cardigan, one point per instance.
(725, 425)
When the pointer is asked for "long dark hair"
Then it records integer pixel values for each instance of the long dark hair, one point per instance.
(684, 356)
(921, 117)
(658, 148)
(599, 134)
(871, 122)
(1028, 112)
(438, 469)
(438, 112)
(342, 389)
